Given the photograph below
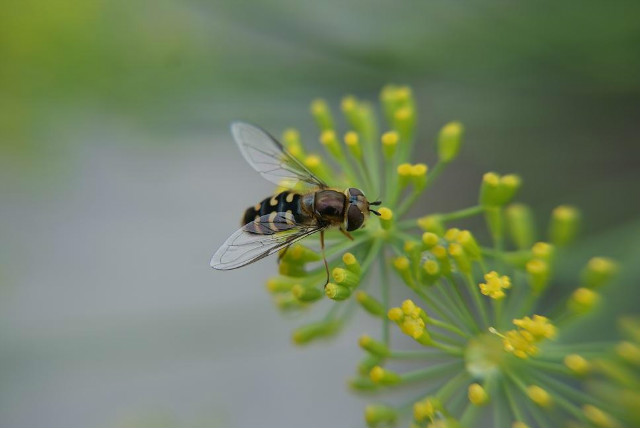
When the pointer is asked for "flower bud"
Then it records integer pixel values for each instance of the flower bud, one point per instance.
(451, 234)
(429, 240)
(498, 191)
(309, 332)
(538, 273)
(404, 174)
(477, 394)
(286, 302)
(426, 409)
(432, 223)
(403, 267)
(583, 300)
(521, 225)
(361, 384)
(293, 269)
(379, 415)
(598, 417)
(281, 284)
(404, 121)
(306, 293)
(390, 144)
(460, 257)
(419, 175)
(565, 221)
(317, 166)
(386, 218)
(351, 263)
(384, 377)
(370, 304)
(543, 251)
(291, 141)
(345, 277)
(352, 141)
(468, 242)
(373, 346)
(449, 141)
(539, 396)
(367, 363)
(337, 292)
(440, 253)
(330, 142)
(598, 272)
(322, 114)
(577, 364)
(629, 351)
(351, 111)
(298, 253)
(431, 271)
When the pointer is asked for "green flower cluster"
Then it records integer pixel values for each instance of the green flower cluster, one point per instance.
(485, 347)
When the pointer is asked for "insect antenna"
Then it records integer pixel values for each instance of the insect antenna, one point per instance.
(375, 203)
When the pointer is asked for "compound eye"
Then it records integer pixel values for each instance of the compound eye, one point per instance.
(353, 192)
(355, 218)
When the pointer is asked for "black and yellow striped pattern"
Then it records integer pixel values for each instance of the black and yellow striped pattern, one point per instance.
(281, 203)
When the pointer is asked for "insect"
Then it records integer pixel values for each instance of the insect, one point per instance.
(279, 221)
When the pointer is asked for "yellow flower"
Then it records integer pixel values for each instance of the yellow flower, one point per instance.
(539, 327)
(520, 343)
(494, 285)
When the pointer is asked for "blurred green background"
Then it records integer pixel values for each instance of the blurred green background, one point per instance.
(119, 179)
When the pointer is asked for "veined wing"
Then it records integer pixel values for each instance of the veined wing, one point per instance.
(267, 156)
(259, 239)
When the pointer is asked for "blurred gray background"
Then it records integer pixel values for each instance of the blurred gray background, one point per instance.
(119, 179)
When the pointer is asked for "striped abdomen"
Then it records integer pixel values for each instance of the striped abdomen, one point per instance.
(282, 202)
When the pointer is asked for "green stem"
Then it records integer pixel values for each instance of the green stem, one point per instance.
(476, 297)
(417, 355)
(463, 213)
(449, 327)
(454, 384)
(432, 372)
(384, 291)
(462, 312)
(453, 350)
(472, 323)
(517, 412)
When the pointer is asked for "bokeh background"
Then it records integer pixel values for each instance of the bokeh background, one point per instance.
(119, 179)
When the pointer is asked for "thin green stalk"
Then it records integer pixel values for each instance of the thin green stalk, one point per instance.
(464, 318)
(454, 384)
(417, 355)
(384, 292)
(453, 350)
(476, 297)
(449, 327)
(518, 415)
(431, 372)
(472, 322)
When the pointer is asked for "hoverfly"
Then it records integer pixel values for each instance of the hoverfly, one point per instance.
(279, 221)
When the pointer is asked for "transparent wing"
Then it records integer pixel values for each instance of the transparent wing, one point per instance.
(267, 156)
(260, 239)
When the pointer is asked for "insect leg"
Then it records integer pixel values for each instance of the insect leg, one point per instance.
(324, 257)
(347, 234)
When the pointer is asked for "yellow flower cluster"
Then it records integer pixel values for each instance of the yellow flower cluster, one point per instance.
(412, 321)
(522, 341)
(495, 285)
